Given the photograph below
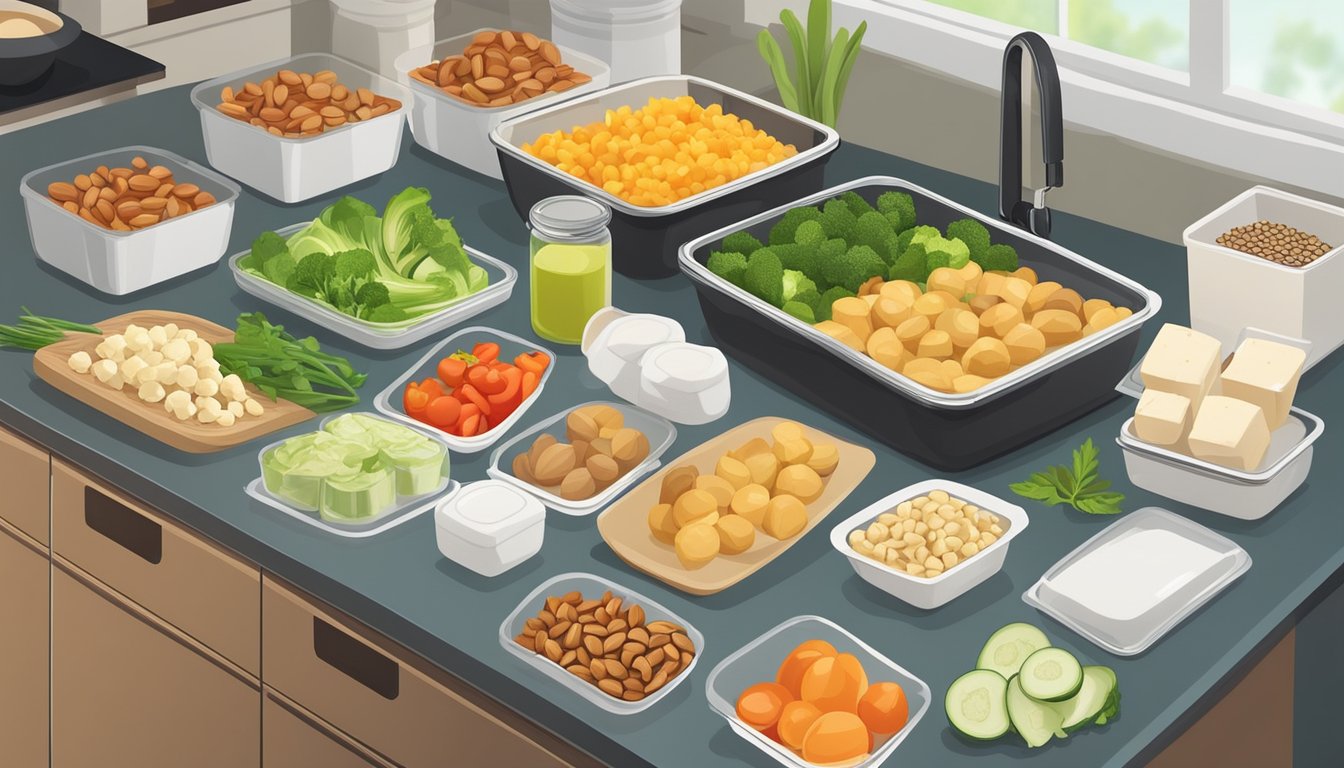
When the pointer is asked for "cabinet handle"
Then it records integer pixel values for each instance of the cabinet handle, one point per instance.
(123, 525)
(356, 660)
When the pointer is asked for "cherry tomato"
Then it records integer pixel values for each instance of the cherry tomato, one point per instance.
(452, 371)
(443, 411)
(469, 394)
(414, 402)
(536, 362)
(485, 379)
(530, 382)
(486, 351)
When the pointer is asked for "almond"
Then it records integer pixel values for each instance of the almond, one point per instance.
(578, 484)
(554, 464)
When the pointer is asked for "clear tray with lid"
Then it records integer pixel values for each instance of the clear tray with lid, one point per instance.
(1137, 579)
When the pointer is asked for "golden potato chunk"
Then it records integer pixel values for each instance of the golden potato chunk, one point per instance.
(736, 534)
(825, 458)
(734, 471)
(676, 482)
(801, 481)
(692, 505)
(696, 545)
(662, 524)
(750, 502)
(763, 468)
(987, 357)
(785, 517)
(841, 334)
(716, 486)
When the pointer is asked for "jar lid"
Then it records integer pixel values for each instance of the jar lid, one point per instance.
(569, 216)
(488, 512)
(683, 367)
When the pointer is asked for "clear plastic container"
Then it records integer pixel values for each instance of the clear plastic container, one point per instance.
(941, 589)
(292, 170)
(1133, 582)
(503, 278)
(406, 507)
(489, 527)
(590, 585)
(460, 132)
(570, 258)
(124, 262)
(659, 431)
(388, 402)
(639, 38)
(759, 660)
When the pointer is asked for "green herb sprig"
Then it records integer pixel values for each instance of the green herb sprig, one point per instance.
(281, 366)
(822, 65)
(34, 332)
(1081, 488)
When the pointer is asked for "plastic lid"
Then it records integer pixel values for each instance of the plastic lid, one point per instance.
(569, 216)
(634, 335)
(488, 512)
(623, 11)
(683, 367)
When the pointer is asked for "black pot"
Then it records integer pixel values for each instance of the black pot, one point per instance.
(25, 59)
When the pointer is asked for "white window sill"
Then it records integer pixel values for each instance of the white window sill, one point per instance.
(1164, 124)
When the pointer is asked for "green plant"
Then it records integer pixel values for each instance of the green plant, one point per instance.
(821, 65)
(1081, 488)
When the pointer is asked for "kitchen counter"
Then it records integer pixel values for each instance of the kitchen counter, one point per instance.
(88, 69)
(398, 583)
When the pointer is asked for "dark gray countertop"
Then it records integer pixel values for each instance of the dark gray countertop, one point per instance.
(400, 585)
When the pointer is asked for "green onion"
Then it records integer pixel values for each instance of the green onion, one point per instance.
(34, 332)
(823, 65)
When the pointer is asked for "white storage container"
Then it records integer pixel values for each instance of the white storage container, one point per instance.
(614, 341)
(489, 527)
(460, 132)
(638, 38)
(124, 262)
(917, 590)
(685, 383)
(1230, 290)
(294, 170)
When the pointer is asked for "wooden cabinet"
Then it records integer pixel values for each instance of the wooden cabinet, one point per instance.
(25, 476)
(293, 737)
(24, 581)
(128, 689)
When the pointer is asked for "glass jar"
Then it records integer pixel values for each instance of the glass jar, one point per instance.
(570, 265)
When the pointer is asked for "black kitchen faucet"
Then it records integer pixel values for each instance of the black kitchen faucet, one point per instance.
(1032, 216)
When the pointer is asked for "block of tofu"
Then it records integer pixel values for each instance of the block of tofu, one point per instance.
(1183, 362)
(1163, 418)
(1265, 373)
(1230, 432)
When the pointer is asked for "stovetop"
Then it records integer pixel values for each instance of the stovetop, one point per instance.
(88, 65)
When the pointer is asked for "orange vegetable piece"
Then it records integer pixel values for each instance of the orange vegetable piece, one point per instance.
(432, 387)
(836, 737)
(884, 708)
(835, 683)
(760, 705)
(795, 720)
(485, 379)
(536, 362)
(509, 397)
(443, 411)
(486, 351)
(453, 371)
(791, 671)
(413, 401)
(469, 394)
(530, 383)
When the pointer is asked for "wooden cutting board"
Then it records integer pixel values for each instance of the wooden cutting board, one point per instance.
(625, 524)
(52, 366)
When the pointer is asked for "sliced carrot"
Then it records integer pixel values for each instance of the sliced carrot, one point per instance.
(452, 371)
(485, 379)
(486, 351)
(536, 362)
(530, 382)
(432, 387)
(483, 426)
(469, 410)
(511, 392)
(469, 394)
(471, 425)
(443, 412)
(414, 402)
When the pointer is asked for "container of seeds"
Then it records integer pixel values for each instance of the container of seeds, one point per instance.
(1269, 260)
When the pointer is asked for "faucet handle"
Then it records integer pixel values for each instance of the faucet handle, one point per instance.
(1033, 218)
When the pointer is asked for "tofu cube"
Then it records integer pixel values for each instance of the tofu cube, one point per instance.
(1163, 418)
(1230, 432)
(1183, 362)
(1265, 373)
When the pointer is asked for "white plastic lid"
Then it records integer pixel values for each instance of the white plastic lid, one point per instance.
(488, 512)
(683, 367)
(633, 335)
(621, 11)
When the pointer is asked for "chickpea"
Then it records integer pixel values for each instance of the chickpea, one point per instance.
(927, 535)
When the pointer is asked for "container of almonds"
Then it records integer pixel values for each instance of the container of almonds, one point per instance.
(1268, 260)
(614, 647)
(301, 127)
(466, 85)
(128, 218)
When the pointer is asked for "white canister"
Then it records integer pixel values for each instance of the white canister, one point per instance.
(685, 383)
(375, 32)
(489, 526)
(638, 38)
(615, 341)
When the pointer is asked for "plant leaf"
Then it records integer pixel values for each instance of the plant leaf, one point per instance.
(830, 76)
(1043, 493)
(803, 88)
(774, 57)
(1101, 504)
(818, 52)
(1085, 463)
(851, 56)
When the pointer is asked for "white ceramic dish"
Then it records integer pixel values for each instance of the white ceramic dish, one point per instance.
(591, 586)
(1133, 582)
(952, 583)
(489, 527)
(759, 660)
(124, 262)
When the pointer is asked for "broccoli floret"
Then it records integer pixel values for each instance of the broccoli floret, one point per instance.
(853, 268)
(935, 260)
(973, 234)
(784, 229)
(741, 242)
(1000, 257)
(823, 309)
(911, 265)
(899, 208)
(838, 220)
(801, 311)
(371, 296)
(354, 265)
(810, 297)
(956, 251)
(810, 233)
(728, 265)
(764, 276)
(387, 313)
(312, 274)
(857, 205)
(267, 246)
(795, 282)
(872, 230)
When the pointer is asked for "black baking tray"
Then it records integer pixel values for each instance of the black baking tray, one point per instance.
(645, 240)
(946, 432)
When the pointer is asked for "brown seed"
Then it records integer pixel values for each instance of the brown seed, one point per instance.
(663, 627)
(143, 220)
(553, 650)
(550, 53)
(592, 643)
(153, 204)
(539, 642)
(615, 669)
(637, 633)
(579, 670)
(558, 629)
(588, 606)
(90, 197)
(645, 670)
(568, 658)
(658, 640)
(598, 668)
(573, 636)
(613, 642)
(160, 172)
(520, 64)
(583, 656)
(633, 696)
(658, 681)
(595, 628)
(673, 653)
(524, 640)
(611, 687)
(656, 657)
(318, 91)
(475, 94)
(70, 206)
(682, 642)
(63, 191)
(617, 625)
(633, 684)
(143, 183)
(531, 41)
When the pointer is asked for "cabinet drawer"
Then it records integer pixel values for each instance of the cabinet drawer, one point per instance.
(354, 679)
(24, 644)
(25, 476)
(185, 580)
(127, 689)
(292, 737)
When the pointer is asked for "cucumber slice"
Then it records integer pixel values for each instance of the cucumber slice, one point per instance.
(1009, 646)
(1035, 721)
(1095, 695)
(976, 705)
(1051, 674)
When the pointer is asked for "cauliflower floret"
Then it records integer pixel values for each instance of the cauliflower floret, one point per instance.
(146, 374)
(139, 340)
(80, 362)
(170, 330)
(116, 382)
(165, 373)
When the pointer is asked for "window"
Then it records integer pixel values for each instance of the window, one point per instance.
(1289, 48)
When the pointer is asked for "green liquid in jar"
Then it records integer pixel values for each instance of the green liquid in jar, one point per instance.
(570, 283)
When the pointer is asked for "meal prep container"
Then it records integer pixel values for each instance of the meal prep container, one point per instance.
(1133, 582)
(646, 239)
(460, 132)
(406, 508)
(614, 342)
(388, 402)
(503, 277)
(294, 170)
(946, 431)
(659, 431)
(591, 585)
(124, 262)
(1230, 290)
(489, 527)
(759, 660)
(943, 588)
